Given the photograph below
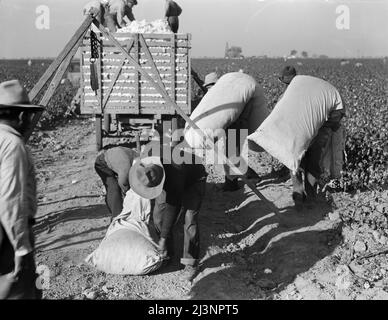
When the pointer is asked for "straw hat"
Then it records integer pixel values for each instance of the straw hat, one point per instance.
(13, 95)
(210, 79)
(146, 177)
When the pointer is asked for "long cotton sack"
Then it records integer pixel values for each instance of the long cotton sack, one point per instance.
(128, 247)
(288, 131)
(221, 106)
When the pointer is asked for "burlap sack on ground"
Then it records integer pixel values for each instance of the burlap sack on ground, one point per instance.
(128, 247)
(221, 106)
(288, 131)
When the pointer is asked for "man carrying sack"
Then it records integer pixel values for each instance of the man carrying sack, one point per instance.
(184, 188)
(299, 129)
(234, 104)
(112, 165)
(17, 195)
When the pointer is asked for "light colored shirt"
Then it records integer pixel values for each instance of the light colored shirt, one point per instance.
(18, 204)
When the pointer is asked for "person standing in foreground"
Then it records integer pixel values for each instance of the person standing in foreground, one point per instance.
(173, 11)
(112, 165)
(176, 188)
(17, 195)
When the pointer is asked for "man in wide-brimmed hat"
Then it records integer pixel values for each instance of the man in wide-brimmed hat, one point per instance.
(177, 189)
(17, 195)
(210, 80)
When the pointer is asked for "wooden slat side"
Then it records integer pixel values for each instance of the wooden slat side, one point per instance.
(173, 67)
(116, 75)
(153, 65)
(137, 75)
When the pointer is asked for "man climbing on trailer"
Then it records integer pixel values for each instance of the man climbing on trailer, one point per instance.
(172, 13)
(113, 165)
(113, 14)
(18, 203)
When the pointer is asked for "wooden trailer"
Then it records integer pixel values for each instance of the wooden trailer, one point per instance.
(125, 98)
(141, 55)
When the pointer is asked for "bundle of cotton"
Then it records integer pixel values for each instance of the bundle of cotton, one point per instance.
(157, 26)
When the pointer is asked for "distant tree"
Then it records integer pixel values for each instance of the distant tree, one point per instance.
(293, 52)
(323, 56)
(305, 54)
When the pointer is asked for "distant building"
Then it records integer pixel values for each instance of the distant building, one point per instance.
(233, 52)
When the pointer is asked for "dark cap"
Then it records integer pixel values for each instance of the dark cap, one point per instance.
(288, 73)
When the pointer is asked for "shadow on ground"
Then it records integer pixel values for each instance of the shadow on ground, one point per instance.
(73, 230)
(253, 239)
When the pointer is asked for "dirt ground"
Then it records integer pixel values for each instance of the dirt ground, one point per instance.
(247, 251)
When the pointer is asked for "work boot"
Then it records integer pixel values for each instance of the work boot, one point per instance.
(311, 191)
(299, 199)
(230, 185)
(281, 173)
(251, 174)
(189, 272)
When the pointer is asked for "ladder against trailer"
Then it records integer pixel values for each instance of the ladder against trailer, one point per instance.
(57, 70)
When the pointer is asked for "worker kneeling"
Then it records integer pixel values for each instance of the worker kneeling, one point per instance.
(181, 191)
(134, 246)
(130, 246)
(300, 128)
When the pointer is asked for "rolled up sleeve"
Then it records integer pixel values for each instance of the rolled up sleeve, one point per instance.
(14, 217)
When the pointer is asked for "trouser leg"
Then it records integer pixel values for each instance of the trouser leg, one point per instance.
(231, 182)
(192, 203)
(113, 198)
(298, 194)
(311, 162)
(297, 182)
(164, 219)
(24, 286)
(173, 22)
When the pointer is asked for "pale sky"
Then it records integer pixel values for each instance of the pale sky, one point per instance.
(260, 27)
